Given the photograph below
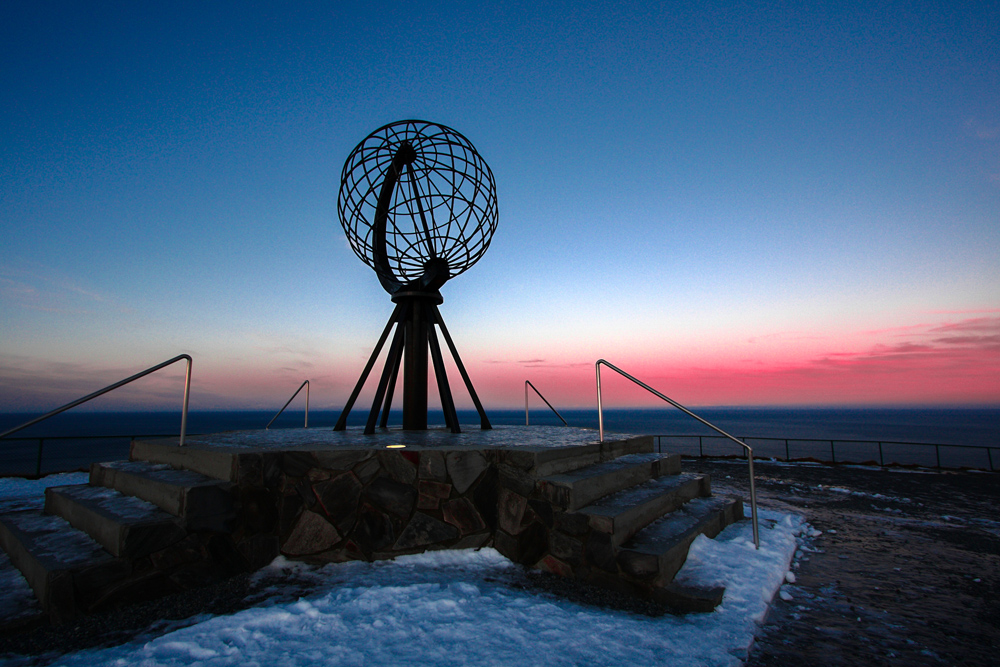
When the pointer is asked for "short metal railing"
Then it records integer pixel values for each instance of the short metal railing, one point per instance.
(527, 383)
(879, 445)
(747, 448)
(116, 385)
(306, 425)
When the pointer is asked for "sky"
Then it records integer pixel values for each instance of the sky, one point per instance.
(784, 203)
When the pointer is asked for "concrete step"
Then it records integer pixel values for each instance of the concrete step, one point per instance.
(658, 551)
(63, 565)
(206, 459)
(124, 525)
(625, 513)
(572, 490)
(200, 502)
(545, 461)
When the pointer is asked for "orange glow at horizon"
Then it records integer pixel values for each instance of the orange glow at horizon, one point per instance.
(950, 362)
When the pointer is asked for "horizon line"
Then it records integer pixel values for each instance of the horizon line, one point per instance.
(795, 406)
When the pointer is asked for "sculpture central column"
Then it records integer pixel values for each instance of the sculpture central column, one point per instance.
(415, 366)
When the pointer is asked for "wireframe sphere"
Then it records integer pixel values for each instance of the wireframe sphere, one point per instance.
(418, 204)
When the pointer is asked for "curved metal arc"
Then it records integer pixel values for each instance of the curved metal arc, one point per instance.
(390, 282)
(116, 385)
(748, 448)
(420, 210)
(446, 159)
(527, 383)
(287, 403)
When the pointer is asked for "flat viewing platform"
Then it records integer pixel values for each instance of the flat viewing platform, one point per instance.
(471, 437)
(555, 498)
(247, 457)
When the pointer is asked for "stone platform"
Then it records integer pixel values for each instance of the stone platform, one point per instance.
(616, 514)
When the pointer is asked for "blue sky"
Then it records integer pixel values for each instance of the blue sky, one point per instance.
(742, 204)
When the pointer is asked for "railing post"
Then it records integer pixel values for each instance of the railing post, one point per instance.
(600, 409)
(187, 396)
(527, 383)
(788, 456)
(526, 403)
(701, 451)
(881, 460)
(937, 455)
(989, 455)
(833, 453)
(753, 502)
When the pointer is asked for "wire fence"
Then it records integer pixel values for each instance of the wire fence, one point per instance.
(882, 453)
(35, 457)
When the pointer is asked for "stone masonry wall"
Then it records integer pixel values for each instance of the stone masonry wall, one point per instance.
(374, 505)
(333, 506)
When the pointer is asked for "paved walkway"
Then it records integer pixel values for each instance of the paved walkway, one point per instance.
(906, 572)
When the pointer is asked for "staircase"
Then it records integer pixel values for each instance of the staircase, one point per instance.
(615, 514)
(626, 522)
(135, 531)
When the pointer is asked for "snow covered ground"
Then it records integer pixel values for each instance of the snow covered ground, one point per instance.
(457, 608)
(16, 599)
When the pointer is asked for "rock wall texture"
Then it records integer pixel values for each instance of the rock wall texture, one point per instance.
(378, 504)
(326, 506)
(374, 505)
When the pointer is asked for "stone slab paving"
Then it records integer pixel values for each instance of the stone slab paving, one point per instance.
(906, 570)
(472, 436)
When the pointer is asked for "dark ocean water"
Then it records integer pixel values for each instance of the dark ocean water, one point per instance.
(949, 426)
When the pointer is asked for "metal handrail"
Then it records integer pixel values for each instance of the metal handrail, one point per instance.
(748, 448)
(306, 425)
(101, 392)
(527, 383)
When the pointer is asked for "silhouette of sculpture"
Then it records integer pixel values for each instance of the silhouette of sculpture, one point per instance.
(419, 206)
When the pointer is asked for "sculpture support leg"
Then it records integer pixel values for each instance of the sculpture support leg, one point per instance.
(484, 421)
(415, 339)
(393, 319)
(388, 394)
(415, 370)
(447, 402)
(390, 364)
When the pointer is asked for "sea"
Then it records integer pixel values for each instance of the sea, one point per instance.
(950, 437)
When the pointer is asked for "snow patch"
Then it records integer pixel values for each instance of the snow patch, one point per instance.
(458, 608)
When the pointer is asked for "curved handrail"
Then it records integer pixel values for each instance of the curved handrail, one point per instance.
(748, 448)
(527, 383)
(306, 425)
(101, 392)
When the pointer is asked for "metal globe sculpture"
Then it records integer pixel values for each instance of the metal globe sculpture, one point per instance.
(419, 206)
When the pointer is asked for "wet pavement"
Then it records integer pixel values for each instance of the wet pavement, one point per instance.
(906, 570)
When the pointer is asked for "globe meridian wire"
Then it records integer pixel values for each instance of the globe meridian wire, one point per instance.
(443, 208)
